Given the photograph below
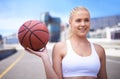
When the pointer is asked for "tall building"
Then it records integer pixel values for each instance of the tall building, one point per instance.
(102, 22)
(106, 27)
(53, 24)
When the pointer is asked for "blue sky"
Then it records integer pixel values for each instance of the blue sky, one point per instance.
(13, 13)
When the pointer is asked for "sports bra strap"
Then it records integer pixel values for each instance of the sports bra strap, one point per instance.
(69, 47)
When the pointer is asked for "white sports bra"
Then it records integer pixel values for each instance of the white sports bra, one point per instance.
(75, 65)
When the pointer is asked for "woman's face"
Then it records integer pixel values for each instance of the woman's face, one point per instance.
(80, 23)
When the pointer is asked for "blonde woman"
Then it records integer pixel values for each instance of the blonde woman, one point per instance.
(75, 58)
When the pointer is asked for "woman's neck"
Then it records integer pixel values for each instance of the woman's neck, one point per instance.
(79, 40)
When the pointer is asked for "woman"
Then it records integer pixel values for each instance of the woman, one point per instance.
(75, 58)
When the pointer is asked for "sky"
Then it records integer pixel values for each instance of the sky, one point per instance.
(13, 13)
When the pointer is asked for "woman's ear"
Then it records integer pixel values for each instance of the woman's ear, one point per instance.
(69, 21)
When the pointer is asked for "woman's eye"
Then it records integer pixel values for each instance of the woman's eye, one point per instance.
(78, 20)
(86, 20)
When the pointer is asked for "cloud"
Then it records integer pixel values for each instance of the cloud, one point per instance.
(10, 25)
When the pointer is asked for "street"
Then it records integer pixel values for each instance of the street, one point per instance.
(23, 65)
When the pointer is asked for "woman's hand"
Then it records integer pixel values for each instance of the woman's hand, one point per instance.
(43, 53)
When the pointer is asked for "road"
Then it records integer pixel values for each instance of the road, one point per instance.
(113, 67)
(23, 65)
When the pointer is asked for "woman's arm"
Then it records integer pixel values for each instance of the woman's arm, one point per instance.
(50, 73)
(102, 73)
(57, 55)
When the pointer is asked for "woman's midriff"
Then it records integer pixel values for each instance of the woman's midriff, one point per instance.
(80, 77)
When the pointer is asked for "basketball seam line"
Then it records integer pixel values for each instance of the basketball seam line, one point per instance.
(28, 29)
(32, 33)
(21, 31)
(35, 36)
(26, 32)
(25, 26)
(30, 41)
(40, 30)
(38, 38)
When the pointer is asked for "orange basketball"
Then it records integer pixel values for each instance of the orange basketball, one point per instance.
(33, 34)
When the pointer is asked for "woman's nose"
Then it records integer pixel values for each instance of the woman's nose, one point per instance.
(82, 23)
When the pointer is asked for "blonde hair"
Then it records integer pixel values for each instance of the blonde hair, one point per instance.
(73, 11)
(78, 8)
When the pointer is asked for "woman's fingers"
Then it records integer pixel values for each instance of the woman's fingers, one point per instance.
(30, 50)
(38, 53)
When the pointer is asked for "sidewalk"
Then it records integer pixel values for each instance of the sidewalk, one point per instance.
(113, 52)
(111, 49)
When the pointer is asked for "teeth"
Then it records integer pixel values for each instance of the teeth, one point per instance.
(82, 29)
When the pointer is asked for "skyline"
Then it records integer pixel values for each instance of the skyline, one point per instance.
(15, 12)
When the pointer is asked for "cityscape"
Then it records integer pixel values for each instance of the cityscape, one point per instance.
(17, 63)
(102, 28)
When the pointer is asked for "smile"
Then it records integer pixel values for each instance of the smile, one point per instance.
(82, 28)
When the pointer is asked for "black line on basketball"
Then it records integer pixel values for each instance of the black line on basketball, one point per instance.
(31, 41)
(21, 31)
(28, 29)
(26, 32)
(38, 38)
(40, 30)
(25, 27)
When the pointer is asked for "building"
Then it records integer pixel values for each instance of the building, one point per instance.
(110, 33)
(102, 22)
(105, 27)
(53, 24)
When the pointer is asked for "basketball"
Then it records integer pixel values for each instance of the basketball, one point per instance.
(33, 34)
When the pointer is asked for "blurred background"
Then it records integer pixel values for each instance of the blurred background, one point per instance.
(105, 17)
(105, 30)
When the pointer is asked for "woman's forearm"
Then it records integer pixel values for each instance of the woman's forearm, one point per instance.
(50, 73)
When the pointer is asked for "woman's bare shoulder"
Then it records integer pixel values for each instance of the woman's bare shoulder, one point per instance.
(98, 47)
(60, 47)
(100, 50)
